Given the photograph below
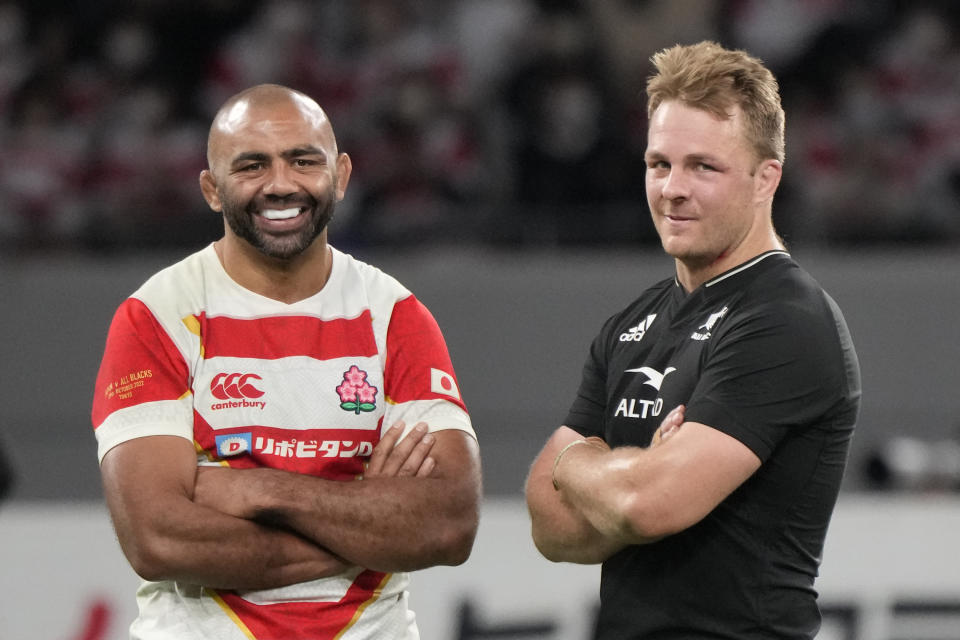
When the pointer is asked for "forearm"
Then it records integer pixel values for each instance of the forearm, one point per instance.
(600, 486)
(560, 531)
(196, 545)
(622, 493)
(148, 485)
(386, 523)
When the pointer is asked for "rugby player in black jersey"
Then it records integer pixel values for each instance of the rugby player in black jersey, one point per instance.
(702, 456)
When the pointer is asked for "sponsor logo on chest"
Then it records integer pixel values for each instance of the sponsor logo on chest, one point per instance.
(640, 408)
(236, 444)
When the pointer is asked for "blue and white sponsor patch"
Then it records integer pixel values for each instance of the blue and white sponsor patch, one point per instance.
(234, 444)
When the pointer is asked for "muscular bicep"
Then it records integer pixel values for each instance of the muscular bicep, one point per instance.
(144, 481)
(697, 468)
(457, 459)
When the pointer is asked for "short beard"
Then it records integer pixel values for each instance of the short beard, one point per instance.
(241, 222)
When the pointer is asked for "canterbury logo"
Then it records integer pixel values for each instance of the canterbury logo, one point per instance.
(235, 385)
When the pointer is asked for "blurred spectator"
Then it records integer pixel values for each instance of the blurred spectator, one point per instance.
(145, 156)
(572, 157)
(472, 120)
(873, 106)
(41, 168)
(417, 150)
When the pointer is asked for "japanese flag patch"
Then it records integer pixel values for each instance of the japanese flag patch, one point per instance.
(443, 383)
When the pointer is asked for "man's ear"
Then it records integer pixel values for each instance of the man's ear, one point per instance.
(344, 169)
(768, 179)
(208, 187)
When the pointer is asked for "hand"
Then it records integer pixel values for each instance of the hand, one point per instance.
(215, 487)
(670, 425)
(408, 457)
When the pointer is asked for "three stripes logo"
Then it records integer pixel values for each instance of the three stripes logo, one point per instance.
(635, 334)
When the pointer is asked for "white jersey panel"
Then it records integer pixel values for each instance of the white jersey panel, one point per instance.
(159, 418)
(290, 388)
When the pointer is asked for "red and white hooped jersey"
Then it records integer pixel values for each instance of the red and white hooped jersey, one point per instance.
(254, 382)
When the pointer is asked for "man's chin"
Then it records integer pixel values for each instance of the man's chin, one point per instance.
(675, 247)
(688, 255)
(285, 249)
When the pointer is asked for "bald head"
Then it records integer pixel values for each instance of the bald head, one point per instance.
(274, 171)
(258, 108)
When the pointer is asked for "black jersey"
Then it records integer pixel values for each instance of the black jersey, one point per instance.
(763, 354)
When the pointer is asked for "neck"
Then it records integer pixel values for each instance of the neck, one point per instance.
(285, 280)
(692, 273)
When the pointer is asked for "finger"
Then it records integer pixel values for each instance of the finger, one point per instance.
(382, 451)
(675, 414)
(418, 456)
(657, 436)
(404, 449)
(427, 467)
(672, 419)
(672, 423)
(410, 452)
(668, 425)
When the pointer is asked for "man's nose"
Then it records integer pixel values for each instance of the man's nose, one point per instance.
(675, 185)
(280, 181)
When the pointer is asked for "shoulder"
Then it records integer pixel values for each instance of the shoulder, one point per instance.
(167, 299)
(354, 275)
(786, 293)
(785, 311)
(180, 282)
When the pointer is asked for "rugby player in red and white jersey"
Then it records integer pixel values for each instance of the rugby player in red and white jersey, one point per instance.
(281, 433)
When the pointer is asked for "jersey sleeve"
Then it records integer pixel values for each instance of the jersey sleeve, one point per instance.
(419, 380)
(142, 387)
(586, 414)
(779, 370)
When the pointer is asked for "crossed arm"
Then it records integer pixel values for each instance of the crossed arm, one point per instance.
(606, 499)
(416, 506)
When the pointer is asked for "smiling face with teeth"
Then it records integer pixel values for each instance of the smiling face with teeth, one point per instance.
(275, 173)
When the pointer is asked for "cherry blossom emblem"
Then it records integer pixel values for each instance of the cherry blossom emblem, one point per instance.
(356, 394)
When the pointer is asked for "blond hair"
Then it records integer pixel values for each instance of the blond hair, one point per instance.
(707, 76)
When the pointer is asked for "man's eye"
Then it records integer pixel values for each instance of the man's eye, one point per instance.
(658, 164)
(253, 166)
(703, 166)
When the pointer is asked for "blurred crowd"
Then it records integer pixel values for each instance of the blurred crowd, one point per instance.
(517, 122)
